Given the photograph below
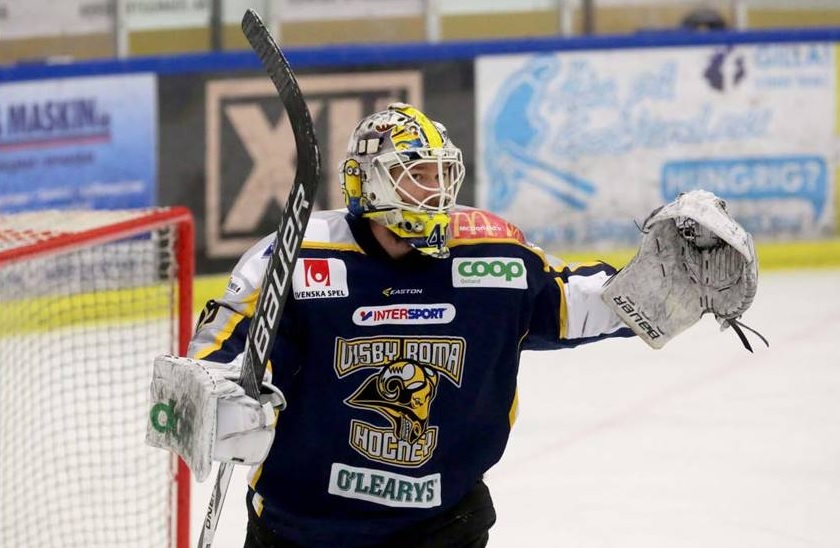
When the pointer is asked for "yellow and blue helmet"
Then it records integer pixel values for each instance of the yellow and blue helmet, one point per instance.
(385, 151)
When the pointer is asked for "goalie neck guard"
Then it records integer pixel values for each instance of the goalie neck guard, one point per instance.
(403, 171)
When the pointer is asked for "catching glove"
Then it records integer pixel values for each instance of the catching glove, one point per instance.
(694, 259)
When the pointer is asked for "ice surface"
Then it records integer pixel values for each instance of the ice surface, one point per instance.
(699, 444)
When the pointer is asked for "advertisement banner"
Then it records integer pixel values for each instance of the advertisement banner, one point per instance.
(598, 139)
(240, 122)
(31, 18)
(227, 152)
(320, 10)
(169, 14)
(157, 14)
(78, 143)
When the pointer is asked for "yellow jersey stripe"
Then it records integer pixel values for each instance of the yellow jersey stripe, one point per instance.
(334, 246)
(564, 313)
(514, 408)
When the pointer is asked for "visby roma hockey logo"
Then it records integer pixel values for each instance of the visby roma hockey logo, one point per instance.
(403, 393)
(401, 389)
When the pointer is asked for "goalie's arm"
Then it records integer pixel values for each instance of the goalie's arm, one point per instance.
(569, 310)
(198, 410)
(222, 327)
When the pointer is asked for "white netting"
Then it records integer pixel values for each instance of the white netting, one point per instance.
(78, 334)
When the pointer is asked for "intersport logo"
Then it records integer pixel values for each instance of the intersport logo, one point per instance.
(402, 314)
(506, 272)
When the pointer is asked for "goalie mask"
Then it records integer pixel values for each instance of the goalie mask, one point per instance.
(404, 172)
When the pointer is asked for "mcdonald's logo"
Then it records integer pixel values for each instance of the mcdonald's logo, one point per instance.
(473, 224)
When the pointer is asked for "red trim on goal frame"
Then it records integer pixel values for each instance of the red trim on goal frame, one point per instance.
(186, 271)
(145, 221)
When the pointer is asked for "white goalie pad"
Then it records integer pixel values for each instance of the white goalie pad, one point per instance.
(200, 413)
(694, 258)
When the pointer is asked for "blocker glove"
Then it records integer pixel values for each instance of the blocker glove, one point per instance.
(198, 411)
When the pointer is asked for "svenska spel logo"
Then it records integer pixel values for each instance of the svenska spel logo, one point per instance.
(319, 279)
(316, 272)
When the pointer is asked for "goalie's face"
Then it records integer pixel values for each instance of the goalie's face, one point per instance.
(425, 186)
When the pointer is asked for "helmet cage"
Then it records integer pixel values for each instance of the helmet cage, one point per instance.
(391, 179)
(385, 176)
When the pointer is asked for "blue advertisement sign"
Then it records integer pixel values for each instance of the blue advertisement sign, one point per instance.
(575, 145)
(780, 181)
(78, 143)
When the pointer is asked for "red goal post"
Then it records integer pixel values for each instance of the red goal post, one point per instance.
(87, 300)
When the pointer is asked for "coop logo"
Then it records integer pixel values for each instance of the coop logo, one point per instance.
(507, 272)
(250, 161)
(320, 279)
(404, 314)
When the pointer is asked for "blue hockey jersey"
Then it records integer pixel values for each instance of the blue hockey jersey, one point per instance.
(400, 375)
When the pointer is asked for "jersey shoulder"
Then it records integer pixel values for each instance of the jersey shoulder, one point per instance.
(329, 230)
(479, 228)
(325, 230)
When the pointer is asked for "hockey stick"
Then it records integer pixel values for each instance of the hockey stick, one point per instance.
(287, 241)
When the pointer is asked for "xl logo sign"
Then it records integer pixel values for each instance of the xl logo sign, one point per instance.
(250, 151)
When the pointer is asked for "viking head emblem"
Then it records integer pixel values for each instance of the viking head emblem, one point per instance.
(402, 392)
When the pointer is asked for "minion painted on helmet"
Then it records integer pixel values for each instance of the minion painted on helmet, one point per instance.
(383, 153)
(351, 184)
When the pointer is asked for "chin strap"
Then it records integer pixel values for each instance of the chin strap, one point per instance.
(424, 231)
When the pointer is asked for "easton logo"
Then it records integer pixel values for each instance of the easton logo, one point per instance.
(404, 314)
(391, 292)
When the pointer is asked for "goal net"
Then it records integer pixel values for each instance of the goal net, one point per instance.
(87, 300)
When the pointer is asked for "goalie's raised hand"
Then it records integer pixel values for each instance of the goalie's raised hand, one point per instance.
(694, 259)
